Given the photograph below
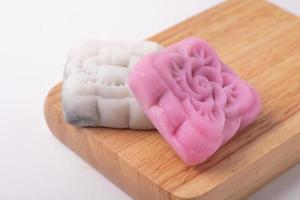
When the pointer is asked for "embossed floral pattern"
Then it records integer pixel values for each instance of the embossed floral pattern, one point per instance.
(195, 101)
(95, 90)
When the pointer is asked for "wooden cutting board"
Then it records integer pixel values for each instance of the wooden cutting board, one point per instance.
(261, 43)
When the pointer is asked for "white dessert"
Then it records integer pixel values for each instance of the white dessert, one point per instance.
(95, 90)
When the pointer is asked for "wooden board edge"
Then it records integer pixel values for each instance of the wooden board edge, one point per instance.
(261, 175)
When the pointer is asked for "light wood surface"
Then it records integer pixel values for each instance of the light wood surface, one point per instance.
(261, 43)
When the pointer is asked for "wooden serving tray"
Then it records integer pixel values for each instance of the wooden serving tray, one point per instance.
(261, 43)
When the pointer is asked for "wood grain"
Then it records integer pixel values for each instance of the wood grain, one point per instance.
(261, 43)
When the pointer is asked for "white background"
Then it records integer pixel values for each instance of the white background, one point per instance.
(34, 38)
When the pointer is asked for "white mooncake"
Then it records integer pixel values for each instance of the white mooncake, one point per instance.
(95, 90)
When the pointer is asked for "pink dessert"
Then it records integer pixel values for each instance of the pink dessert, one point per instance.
(195, 101)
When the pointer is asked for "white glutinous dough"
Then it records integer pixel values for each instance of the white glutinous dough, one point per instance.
(95, 90)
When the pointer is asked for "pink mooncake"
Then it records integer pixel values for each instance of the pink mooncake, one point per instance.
(195, 101)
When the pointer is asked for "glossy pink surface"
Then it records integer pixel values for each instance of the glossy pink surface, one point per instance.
(195, 101)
